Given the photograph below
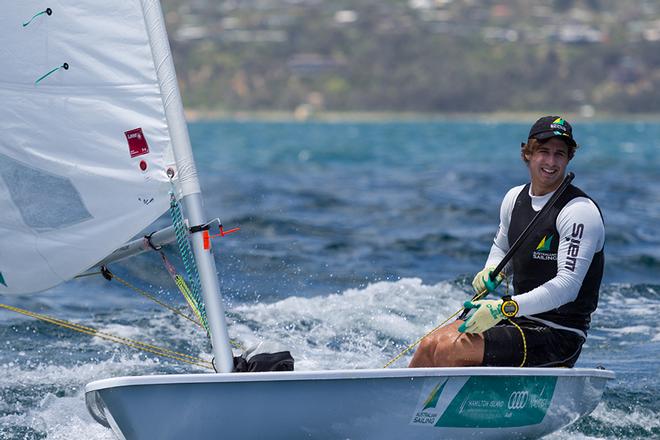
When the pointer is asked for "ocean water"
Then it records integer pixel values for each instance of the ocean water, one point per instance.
(356, 238)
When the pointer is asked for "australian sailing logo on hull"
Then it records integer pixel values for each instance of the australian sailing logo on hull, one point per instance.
(428, 413)
(543, 251)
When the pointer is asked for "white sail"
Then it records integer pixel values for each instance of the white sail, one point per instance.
(84, 151)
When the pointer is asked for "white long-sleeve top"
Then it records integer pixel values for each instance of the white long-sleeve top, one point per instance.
(564, 287)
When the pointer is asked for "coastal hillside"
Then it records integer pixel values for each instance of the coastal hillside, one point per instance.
(436, 56)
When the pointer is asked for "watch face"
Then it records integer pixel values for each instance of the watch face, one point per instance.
(509, 308)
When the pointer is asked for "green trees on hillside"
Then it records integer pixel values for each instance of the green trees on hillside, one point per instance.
(385, 56)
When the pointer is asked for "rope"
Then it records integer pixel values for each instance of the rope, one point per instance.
(183, 288)
(153, 349)
(181, 233)
(524, 341)
(475, 298)
(411, 346)
(522, 334)
(180, 283)
(154, 299)
(150, 297)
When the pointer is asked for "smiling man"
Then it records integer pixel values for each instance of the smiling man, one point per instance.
(556, 272)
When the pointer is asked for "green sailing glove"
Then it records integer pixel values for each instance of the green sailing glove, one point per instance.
(483, 282)
(488, 313)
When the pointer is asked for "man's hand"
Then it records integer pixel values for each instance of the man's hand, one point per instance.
(483, 282)
(488, 313)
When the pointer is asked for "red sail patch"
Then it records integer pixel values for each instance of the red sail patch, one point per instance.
(137, 143)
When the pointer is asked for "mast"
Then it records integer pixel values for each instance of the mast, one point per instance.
(189, 183)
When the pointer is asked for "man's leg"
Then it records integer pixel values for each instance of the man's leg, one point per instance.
(447, 347)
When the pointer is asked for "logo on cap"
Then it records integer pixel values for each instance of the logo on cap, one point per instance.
(558, 124)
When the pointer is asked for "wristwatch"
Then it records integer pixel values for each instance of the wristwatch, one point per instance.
(509, 307)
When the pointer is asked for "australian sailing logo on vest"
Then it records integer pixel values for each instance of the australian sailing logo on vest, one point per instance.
(543, 250)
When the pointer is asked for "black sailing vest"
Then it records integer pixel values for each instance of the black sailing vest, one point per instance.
(535, 262)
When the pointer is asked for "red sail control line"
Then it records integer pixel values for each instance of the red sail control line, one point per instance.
(207, 236)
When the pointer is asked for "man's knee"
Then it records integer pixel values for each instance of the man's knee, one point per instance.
(438, 348)
(449, 348)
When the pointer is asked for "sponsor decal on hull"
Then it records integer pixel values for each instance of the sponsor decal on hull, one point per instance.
(485, 402)
(428, 414)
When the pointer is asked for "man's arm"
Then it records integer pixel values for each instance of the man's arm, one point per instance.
(581, 235)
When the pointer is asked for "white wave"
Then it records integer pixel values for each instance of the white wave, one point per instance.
(641, 418)
(638, 420)
(60, 418)
(570, 435)
(359, 328)
(628, 330)
(64, 417)
(61, 376)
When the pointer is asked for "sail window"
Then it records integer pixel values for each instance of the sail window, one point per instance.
(45, 201)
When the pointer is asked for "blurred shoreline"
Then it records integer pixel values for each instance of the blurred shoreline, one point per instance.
(195, 115)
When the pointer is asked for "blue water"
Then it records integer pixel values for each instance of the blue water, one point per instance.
(355, 239)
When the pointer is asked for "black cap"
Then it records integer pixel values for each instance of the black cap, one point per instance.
(552, 126)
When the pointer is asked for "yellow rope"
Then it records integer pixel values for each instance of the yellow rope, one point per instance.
(147, 295)
(411, 346)
(475, 298)
(153, 349)
(187, 294)
(524, 341)
(156, 300)
(522, 334)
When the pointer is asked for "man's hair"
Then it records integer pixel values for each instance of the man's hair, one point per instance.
(533, 144)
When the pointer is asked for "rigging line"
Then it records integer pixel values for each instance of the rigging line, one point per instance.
(147, 295)
(181, 284)
(414, 344)
(476, 298)
(187, 294)
(154, 299)
(94, 332)
(185, 252)
(153, 349)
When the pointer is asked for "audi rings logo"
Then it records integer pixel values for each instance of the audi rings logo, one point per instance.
(518, 399)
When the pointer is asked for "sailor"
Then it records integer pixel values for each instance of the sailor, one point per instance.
(556, 272)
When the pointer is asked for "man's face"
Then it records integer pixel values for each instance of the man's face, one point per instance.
(547, 166)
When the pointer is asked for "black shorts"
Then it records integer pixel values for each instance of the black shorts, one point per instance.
(546, 346)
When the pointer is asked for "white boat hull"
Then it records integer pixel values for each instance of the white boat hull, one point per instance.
(428, 403)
